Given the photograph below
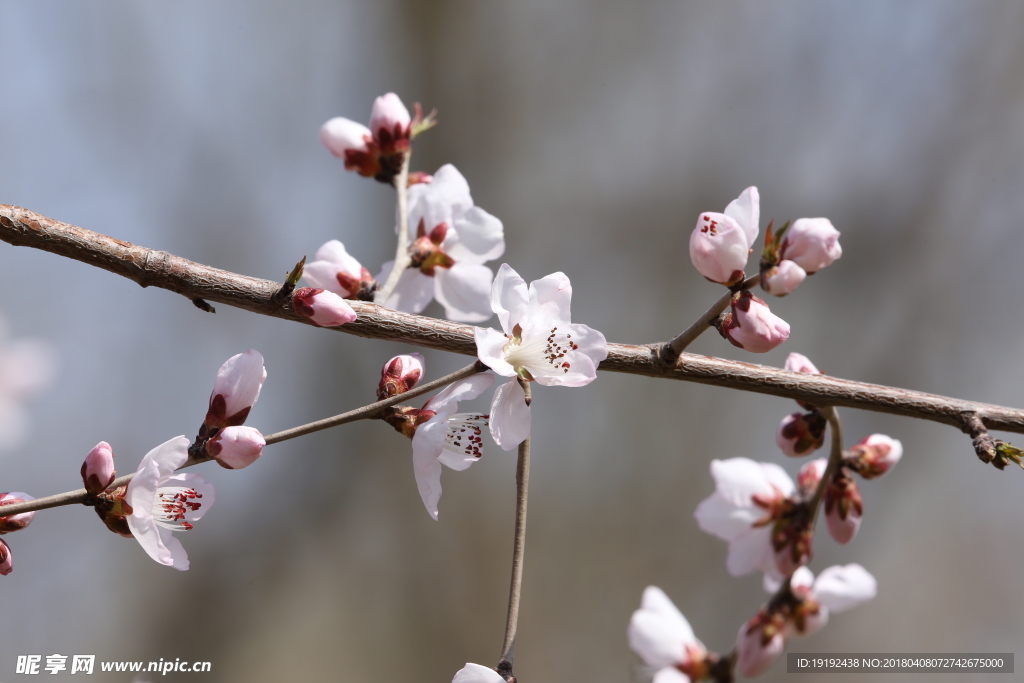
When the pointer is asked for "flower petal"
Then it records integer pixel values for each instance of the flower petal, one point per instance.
(426, 446)
(746, 210)
(474, 673)
(413, 291)
(841, 587)
(751, 550)
(715, 515)
(509, 297)
(239, 381)
(550, 300)
(446, 402)
(670, 675)
(442, 200)
(510, 416)
(658, 631)
(490, 349)
(464, 291)
(578, 367)
(195, 482)
(477, 237)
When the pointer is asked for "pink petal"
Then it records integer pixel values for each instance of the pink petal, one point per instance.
(340, 135)
(658, 631)
(746, 210)
(446, 402)
(474, 673)
(841, 587)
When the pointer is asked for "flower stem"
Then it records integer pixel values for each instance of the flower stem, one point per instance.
(402, 249)
(835, 459)
(671, 350)
(518, 545)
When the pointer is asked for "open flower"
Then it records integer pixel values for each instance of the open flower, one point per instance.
(162, 502)
(721, 242)
(446, 437)
(236, 389)
(336, 271)
(662, 636)
(453, 240)
(837, 589)
(474, 673)
(540, 343)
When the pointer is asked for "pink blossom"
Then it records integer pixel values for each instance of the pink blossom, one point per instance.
(783, 278)
(236, 447)
(758, 644)
(325, 309)
(6, 559)
(336, 271)
(837, 589)
(801, 434)
(163, 502)
(98, 469)
(751, 325)
(236, 389)
(378, 151)
(662, 636)
(812, 243)
(721, 242)
(17, 522)
(399, 375)
(345, 138)
(874, 455)
(474, 673)
(809, 476)
(797, 362)
(844, 507)
(539, 343)
(389, 119)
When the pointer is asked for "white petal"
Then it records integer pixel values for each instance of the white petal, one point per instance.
(841, 587)
(451, 187)
(474, 673)
(477, 237)
(658, 631)
(746, 210)
(550, 299)
(195, 482)
(739, 479)
(490, 349)
(334, 252)
(147, 533)
(510, 416)
(802, 579)
(749, 551)
(446, 402)
(509, 297)
(592, 348)
(440, 201)
(426, 446)
(670, 675)
(413, 292)
(464, 291)
(717, 516)
(179, 558)
(322, 275)
(239, 381)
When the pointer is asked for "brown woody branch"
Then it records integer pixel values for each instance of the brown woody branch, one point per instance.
(195, 281)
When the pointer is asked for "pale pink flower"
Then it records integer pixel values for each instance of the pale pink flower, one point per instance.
(344, 138)
(812, 243)
(874, 455)
(751, 326)
(399, 375)
(236, 447)
(163, 502)
(797, 362)
(662, 636)
(801, 434)
(453, 240)
(837, 589)
(539, 343)
(389, 118)
(721, 242)
(746, 495)
(783, 278)
(325, 309)
(474, 673)
(6, 559)
(336, 271)
(98, 469)
(448, 438)
(17, 522)
(758, 644)
(236, 389)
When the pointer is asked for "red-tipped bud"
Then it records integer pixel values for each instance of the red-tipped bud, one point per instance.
(751, 326)
(759, 643)
(98, 469)
(236, 447)
(844, 507)
(399, 375)
(236, 389)
(801, 434)
(389, 123)
(874, 455)
(6, 562)
(325, 309)
(15, 522)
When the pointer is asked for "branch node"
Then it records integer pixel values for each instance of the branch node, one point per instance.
(202, 305)
(984, 444)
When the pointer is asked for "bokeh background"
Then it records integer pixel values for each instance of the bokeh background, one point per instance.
(597, 132)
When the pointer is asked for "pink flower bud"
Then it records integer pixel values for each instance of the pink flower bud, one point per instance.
(236, 389)
(874, 455)
(98, 469)
(801, 434)
(752, 326)
(399, 375)
(758, 644)
(812, 243)
(783, 279)
(389, 119)
(325, 309)
(809, 476)
(843, 507)
(15, 522)
(719, 248)
(342, 136)
(236, 447)
(6, 562)
(797, 362)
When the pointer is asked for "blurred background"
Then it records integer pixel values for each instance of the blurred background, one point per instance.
(597, 132)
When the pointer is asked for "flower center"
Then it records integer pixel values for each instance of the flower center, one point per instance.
(543, 356)
(172, 504)
(463, 433)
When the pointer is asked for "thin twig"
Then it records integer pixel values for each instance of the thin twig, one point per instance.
(148, 267)
(366, 412)
(835, 459)
(670, 350)
(402, 249)
(518, 546)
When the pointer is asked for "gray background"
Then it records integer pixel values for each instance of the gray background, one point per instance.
(597, 132)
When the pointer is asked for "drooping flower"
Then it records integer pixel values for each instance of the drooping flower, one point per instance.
(27, 367)
(837, 589)
(474, 673)
(375, 152)
(399, 375)
(783, 279)
(325, 309)
(539, 343)
(236, 447)
(751, 326)
(336, 271)
(453, 240)
(17, 522)
(811, 243)
(721, 242)
(874, 455)
(98, 468)
(162, 502)
(662, 636)
(236, 389)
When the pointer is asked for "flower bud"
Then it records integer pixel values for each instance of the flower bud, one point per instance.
(809, 476)
(751, 326)
(719, 248)
(236, 447)
(843, 507)
(15, 522)
(782, 279)
(797, 362)
(98, 469)
(801, 434)
(6, 563)
(236, 389)
(812, 243)
(874, 455)
(389, 120)
(399, 375)
(325, 309)
(759, 643)
(343, 136)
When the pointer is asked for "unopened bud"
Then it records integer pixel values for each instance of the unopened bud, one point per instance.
(719, 248)
(6, 561)
(751, 326)
(15, 522)
(801, 434)
(782, 279)
(812, 243)
(389, 121)
(236, 447)
(399, 375)
(759, 643)
(809, 476)
(98, 469)
(343, 136)
(844, 507)
(874, 455)
(325, 309)
(798, 362)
